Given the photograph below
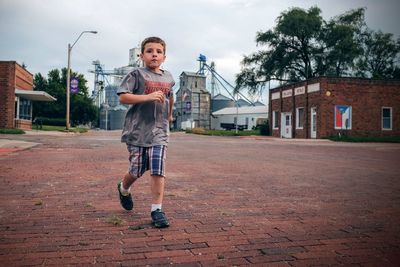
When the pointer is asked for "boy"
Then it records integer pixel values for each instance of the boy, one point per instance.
(146, 128)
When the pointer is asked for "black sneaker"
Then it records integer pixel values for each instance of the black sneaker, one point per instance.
(125, 200)
(159, 219)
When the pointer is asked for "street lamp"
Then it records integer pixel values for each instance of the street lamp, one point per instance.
(69, 74)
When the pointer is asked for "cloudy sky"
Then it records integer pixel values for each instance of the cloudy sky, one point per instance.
(37, 32)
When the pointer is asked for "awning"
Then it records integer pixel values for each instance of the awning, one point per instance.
(34, 95)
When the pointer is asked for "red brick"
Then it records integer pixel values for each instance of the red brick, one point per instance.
(166, 254)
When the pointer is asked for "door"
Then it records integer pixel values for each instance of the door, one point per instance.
(313, 123)
(286, 125)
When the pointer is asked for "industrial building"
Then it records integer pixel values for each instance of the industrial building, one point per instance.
(193, 102)
(106, 82)
(196, 107)
(247, 118)
(327, 106)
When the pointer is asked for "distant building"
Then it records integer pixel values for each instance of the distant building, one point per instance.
(112, 113)
(193, 102)
(245, 117)
(17, 95)
(220, 101)
(324, 106)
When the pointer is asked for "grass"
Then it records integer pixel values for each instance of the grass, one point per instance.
(115, 220)
(388, 139)
(203, 131)
(62, 129)
(11, 131)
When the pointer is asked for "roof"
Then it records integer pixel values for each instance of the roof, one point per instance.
(242, 110)
(188, 73)
(243, 103)
(34, 95)
(221, 97)
(258, 103)
(330, 79)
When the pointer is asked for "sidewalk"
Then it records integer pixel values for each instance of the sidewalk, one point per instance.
(230, 201)
(9, 146)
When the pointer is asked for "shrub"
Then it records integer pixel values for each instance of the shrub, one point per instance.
(50, 121)
(11, 131)
(264, 128)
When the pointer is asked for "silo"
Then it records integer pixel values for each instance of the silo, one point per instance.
(104, 118)
(220, 101)
(117, 117)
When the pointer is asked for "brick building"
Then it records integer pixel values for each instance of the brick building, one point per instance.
(325, 106)
(16, 96)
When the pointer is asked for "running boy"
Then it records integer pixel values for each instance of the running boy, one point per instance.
(149, 92)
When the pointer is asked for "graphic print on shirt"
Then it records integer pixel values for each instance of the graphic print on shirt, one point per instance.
(151, 87)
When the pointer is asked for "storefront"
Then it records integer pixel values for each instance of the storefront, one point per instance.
(17, 95)
(325, 106)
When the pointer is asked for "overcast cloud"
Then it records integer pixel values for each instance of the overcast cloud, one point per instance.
(37, 32)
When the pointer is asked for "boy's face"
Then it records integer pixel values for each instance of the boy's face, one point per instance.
(153, 55)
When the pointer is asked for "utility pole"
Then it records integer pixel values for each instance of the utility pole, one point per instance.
(69, 77)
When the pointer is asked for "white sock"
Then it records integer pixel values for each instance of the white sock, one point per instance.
(123, 190)
(155, 207)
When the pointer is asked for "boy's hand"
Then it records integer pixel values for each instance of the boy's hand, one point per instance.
(157, 96)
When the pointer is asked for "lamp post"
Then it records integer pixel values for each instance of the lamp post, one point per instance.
(69, 76)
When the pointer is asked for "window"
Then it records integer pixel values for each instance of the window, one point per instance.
(386, 118)
(299, 118)
(25, 109)
(275, 119)
(342, 117)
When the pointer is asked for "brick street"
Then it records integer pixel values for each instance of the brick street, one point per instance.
(231, 201)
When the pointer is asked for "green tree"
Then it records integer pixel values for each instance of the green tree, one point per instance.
(82, 109)
(289, 50)
(381, 57)
(340, 44)
(301, 46)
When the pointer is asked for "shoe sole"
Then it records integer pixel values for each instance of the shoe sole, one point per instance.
(161, 225)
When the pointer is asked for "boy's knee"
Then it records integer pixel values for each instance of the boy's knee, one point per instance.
(157, 177)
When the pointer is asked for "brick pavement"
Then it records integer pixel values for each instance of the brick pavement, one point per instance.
(231, 201)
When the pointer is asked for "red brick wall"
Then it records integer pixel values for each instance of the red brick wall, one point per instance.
(7, 97)
(367, 97)
(12, 75)
(24, 79)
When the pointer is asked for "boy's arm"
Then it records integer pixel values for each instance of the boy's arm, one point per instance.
(130, 99)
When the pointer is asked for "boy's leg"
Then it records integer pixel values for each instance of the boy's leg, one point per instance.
(138, 165)
(128, 181)
(157, 191)
(157, 169)
(157, 188)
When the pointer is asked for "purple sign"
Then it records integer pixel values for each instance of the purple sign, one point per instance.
(74, 85)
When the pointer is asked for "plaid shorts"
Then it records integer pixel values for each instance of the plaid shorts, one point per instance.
(147, 158)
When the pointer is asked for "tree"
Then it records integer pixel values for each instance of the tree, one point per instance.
(82, 108)
(302, 46)
(340, 44)
(381, 58)
(290, 45)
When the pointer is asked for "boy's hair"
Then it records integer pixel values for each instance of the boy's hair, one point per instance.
(153, 39)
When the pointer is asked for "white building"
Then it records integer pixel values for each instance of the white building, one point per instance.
(245, 117)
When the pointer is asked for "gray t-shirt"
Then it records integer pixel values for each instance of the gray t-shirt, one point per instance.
(146, 124)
